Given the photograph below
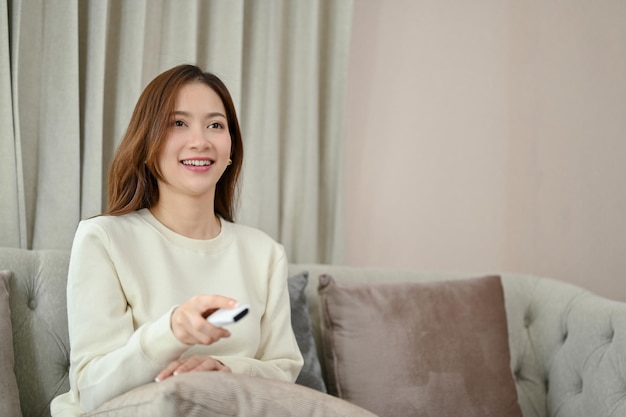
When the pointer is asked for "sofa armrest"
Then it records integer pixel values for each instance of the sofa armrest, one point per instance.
(568, 348)
(39, 320)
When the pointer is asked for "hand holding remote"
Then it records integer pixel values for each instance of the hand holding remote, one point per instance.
(188, 320)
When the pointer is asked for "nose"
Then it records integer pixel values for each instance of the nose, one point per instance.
(199, 139)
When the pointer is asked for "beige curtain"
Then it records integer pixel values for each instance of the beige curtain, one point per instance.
(72, 70)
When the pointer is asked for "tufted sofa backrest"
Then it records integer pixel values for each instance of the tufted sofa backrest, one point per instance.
(39, 320)
(568, 346)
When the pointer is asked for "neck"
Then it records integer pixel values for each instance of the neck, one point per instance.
(195, 219)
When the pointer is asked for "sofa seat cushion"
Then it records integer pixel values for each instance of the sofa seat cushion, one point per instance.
(10, 404)
(428, 348)
(225, 394)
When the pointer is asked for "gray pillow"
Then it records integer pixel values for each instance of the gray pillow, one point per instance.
(311, 373)
(225, 394)
(10, 404)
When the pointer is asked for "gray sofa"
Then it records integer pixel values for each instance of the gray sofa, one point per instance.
(567, 346)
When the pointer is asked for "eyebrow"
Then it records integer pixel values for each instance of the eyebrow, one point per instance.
(208, 115)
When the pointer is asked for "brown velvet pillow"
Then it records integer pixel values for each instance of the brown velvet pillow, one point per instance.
(9, 396)
(421, 349)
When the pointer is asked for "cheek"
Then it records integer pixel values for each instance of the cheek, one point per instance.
(228, 144)
(167, 161)
(169, 150)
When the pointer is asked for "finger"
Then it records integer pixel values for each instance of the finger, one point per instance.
(223, 367)
(206, 333)
(209, 303)
(201, 332)
(209, 364)
(189, 364)
(168, 371)
(188, 321)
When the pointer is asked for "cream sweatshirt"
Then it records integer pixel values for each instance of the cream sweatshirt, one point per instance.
(126, 275)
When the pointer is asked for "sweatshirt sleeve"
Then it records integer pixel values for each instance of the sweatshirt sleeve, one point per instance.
(108, 354)
(278, 355)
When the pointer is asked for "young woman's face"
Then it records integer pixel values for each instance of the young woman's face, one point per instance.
(197, 145)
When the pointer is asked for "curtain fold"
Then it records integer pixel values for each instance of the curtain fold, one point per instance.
(72, 71)
(12, 226)
(44, 69)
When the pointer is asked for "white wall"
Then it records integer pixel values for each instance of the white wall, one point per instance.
(489, 136)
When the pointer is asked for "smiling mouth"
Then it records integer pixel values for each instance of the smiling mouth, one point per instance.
(197, 162)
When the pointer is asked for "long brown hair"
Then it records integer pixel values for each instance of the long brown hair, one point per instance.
(134, 170)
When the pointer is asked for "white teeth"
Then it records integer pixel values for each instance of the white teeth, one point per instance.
(197, 162)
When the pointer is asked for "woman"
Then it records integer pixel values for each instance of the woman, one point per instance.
(144, 276)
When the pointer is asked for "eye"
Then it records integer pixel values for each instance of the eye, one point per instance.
(215, 125)
(178, 123)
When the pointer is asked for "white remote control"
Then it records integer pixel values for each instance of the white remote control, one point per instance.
(225, 316)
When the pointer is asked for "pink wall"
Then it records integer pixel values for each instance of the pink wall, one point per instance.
(489, 136)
